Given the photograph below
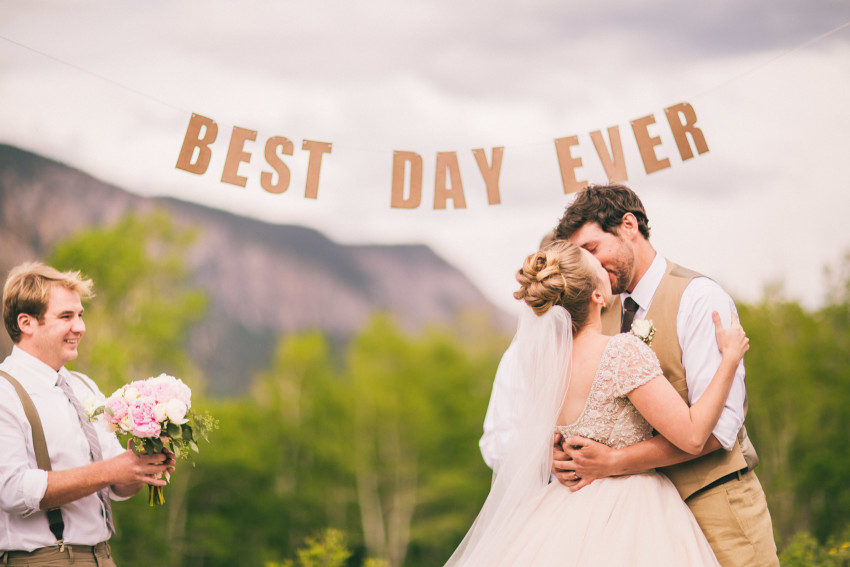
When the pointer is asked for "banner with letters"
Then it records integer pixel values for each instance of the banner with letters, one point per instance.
(202, 138)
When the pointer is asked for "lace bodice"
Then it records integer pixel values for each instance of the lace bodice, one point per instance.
(608, 416)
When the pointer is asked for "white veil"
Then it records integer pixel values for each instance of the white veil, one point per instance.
(544, 346)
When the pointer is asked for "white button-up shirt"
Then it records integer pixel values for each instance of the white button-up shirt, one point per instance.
(23, 526)
(700, 357)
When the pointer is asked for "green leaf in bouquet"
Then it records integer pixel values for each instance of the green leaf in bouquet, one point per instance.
(174, 431)
(194, 446)
(135, 446)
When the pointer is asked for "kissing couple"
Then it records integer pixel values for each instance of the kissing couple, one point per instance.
(614, 447)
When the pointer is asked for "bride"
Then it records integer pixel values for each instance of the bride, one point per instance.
(578, 381)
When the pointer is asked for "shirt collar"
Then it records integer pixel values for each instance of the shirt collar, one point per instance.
(648, 284)
(29, 363)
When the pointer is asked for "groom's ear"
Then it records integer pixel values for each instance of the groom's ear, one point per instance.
(628, 228)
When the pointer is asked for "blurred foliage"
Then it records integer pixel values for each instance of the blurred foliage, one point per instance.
(137, 324)
(378, 441)
(798, 382)
(804, 550)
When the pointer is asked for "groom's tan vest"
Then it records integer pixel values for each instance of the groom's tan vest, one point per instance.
(691, 476)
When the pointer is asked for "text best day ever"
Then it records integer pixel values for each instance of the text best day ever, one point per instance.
(406, 189)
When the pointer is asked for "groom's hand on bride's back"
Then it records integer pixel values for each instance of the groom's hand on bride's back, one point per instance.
(565, 468)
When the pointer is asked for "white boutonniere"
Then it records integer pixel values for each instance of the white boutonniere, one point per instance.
(644, 330)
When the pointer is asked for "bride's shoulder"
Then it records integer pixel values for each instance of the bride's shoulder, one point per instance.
(629, 344)
(627, 340)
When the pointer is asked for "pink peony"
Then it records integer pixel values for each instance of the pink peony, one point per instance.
(162, 392)
(118, 407)
(143, 417)
(151, 429)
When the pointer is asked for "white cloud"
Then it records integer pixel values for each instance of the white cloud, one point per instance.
(765, 203)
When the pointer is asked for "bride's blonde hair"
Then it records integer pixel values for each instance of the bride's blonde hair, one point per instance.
(558, 275)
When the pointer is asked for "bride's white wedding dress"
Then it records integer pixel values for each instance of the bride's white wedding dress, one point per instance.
(629, 520)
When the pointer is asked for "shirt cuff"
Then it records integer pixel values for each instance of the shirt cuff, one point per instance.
(116, 498)
(33, 486)
(726, 430)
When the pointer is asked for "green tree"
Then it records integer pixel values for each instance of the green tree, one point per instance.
(416, 418)
(798, 380)
(137, 326)
(138, 323)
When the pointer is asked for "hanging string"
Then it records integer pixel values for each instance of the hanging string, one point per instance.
(97, 76)
(717, 87)
(773, 59)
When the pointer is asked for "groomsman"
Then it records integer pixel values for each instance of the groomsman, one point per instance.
(58, 471)
(719, 486)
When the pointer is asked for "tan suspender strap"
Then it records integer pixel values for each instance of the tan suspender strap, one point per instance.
(86, 384)
(42, 457)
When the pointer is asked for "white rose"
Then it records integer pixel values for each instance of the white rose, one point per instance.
(176, 411)
(160, 411)
(91, 403)
(130, 394)
(126, 424)
(641, 327)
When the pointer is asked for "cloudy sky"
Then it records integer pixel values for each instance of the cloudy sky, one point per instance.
(109, 88)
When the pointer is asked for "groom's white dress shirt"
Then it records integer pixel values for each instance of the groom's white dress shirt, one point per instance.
(700, 357)
(23, 526)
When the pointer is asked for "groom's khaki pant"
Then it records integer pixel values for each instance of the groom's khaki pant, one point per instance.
(736, 522)
(71, 555)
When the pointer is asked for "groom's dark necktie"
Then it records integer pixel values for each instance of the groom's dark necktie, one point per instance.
(94, 444)
(630, 308)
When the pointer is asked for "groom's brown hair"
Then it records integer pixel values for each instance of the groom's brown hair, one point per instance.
(27, 290)
(604, 205)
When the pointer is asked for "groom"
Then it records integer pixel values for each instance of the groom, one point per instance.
(719, 486)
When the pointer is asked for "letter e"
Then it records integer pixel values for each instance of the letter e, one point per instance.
(646, 144)
(236, 155)
(568, 164)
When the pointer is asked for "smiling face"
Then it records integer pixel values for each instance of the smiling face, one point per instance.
(54, 339)
(614, 254)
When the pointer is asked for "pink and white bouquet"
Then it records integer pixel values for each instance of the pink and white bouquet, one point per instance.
(156, 416)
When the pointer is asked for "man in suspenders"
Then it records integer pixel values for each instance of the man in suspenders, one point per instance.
(719, 486)
(58, 471)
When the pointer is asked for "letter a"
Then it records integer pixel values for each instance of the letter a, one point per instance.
(447, 163)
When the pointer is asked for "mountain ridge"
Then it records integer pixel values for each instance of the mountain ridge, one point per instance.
(263, 280)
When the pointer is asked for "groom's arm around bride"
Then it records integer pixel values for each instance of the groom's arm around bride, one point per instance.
(719, 486)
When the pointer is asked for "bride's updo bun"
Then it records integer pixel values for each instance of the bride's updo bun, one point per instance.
(558, 275)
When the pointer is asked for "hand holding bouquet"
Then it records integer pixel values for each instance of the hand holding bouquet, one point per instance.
(156, 416)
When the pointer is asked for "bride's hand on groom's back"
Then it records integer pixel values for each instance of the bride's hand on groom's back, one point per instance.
(732, 341)
(569, 464)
